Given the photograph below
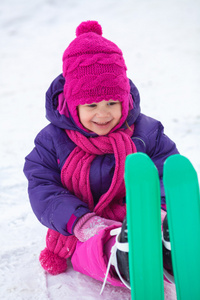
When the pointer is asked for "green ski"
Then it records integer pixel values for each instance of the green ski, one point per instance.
(183, 210)
(144, 228)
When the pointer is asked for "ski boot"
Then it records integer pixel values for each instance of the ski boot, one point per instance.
(122, 256)
(119, 255)
(167, 259)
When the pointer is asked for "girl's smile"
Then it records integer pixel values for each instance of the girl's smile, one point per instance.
(100, 117)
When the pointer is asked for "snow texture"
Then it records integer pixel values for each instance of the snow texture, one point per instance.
(160, 42)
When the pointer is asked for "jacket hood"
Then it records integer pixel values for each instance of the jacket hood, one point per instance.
(66, 121)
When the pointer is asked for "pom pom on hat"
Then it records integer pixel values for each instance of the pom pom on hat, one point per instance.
(89, 26)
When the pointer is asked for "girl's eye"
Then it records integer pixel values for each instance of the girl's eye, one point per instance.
(112, 103)
(91, 105)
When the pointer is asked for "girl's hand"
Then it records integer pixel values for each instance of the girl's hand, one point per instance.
(90, 224)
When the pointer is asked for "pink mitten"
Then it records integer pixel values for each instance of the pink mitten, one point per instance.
(90, 224)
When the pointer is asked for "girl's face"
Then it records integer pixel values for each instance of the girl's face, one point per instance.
(101, 117)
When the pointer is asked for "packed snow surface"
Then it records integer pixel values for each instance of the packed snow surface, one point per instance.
(160, 42)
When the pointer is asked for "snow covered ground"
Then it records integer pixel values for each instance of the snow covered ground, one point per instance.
(161, 46)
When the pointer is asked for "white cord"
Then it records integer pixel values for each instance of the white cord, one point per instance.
(166, 243)
(113, 258)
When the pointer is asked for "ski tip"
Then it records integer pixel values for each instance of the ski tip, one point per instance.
(139, 164)
(177, 158)
(178, 166)
(178, 161)
(138, 158)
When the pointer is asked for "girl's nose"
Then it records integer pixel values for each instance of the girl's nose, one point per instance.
(102, 111)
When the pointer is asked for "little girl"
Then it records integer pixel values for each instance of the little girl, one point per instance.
(76, 170)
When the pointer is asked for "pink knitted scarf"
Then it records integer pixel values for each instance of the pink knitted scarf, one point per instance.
(78, 163)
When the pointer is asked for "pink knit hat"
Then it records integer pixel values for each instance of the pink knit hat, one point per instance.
(94, 70)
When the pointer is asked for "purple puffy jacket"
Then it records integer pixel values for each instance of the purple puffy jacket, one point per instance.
(51, 202)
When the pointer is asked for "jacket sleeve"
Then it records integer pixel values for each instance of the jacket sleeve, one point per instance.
(53, 205)
(159, 148)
